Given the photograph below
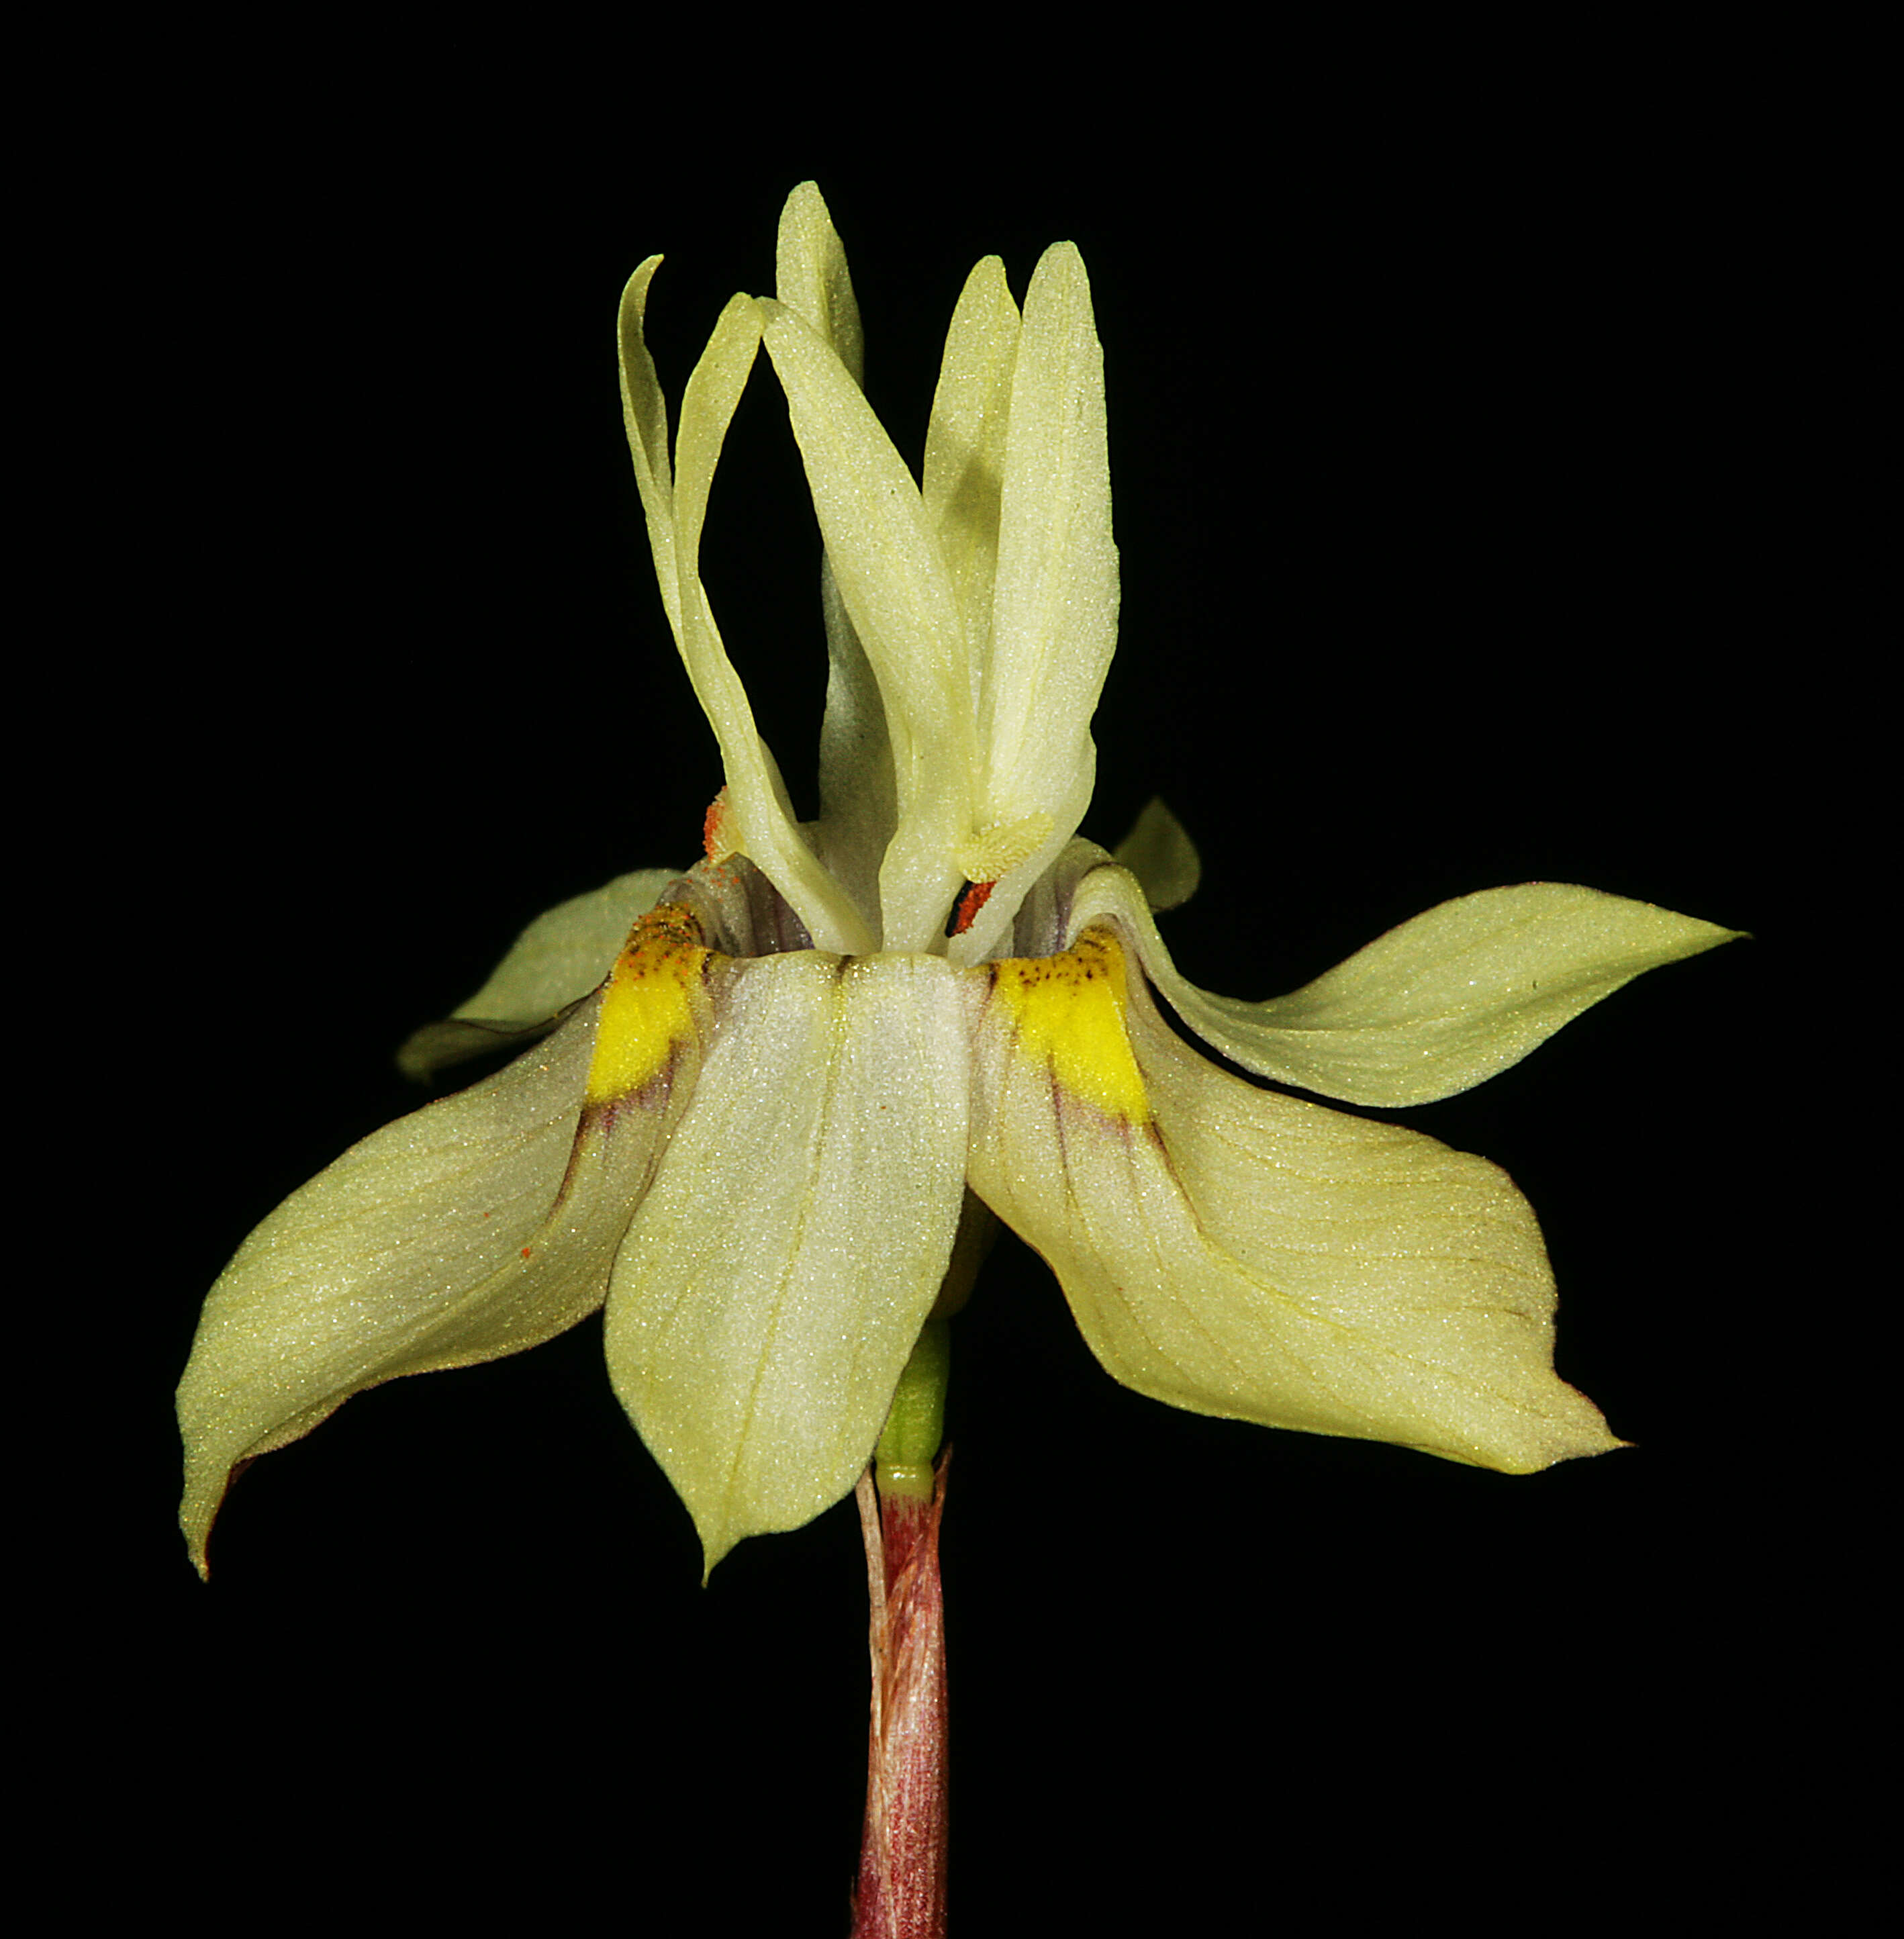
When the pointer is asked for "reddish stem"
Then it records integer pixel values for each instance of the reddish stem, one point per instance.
(901, 1889)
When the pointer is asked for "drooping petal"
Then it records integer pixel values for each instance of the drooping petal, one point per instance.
(477, 1227)
(775, 1278)
(1245, 1255)
(556, 961)
(1054, 609)
(886, 562)
(760, 820)
(1436, 1005)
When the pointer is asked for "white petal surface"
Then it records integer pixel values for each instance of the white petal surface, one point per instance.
(810, 276)
(1435, 1006)
(1054, 623)
(886, 562)
(859, 798)
(1054, 605)
(485, 1224)
(1246, 1255)
(964, 481)
(777, 1273)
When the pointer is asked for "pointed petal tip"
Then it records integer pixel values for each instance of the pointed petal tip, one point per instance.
(195, 1522)
(1577, 1431)
(718, 1536)
(1159, 852)
(200, 1505)
(1063, 257)
(1442, 1002)
(635, 291)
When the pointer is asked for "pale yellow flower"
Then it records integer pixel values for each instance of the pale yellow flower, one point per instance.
(770, 1082)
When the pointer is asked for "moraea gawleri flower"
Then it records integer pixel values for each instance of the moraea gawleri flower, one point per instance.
(759, 1093)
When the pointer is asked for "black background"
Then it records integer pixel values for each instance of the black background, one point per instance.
(1449, 463)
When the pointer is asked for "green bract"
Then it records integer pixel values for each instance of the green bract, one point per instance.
(759, 1091)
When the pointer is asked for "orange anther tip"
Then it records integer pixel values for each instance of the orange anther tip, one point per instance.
(970, 903)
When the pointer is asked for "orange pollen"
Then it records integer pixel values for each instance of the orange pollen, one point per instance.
(970, 903)
(713, 828)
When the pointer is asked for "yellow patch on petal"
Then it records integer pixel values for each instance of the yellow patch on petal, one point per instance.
(645, 1010)
(1068, 1011)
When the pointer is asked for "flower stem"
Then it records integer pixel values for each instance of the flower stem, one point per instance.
(901, 1894)
(901, 1890)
